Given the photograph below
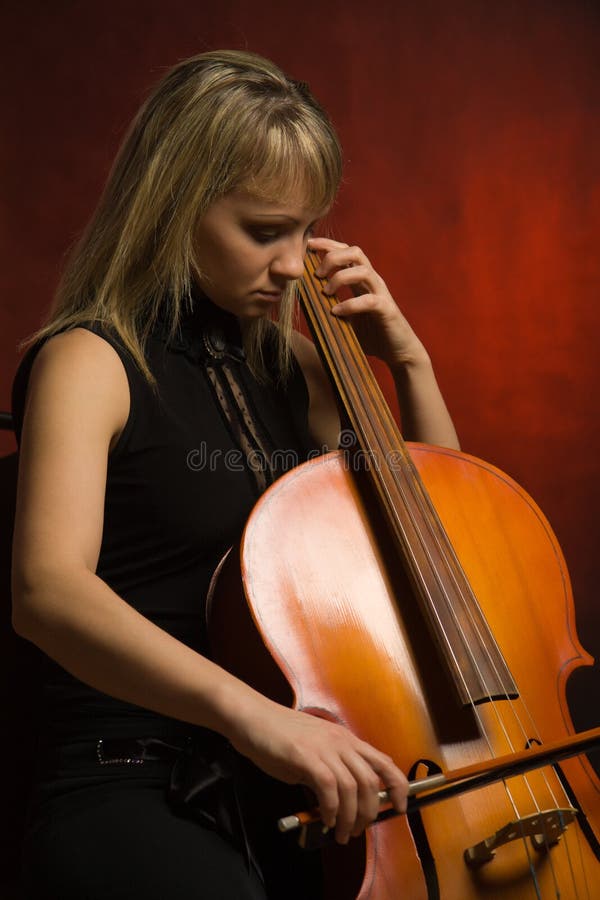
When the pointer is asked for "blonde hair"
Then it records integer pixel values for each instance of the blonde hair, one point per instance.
(216, 122)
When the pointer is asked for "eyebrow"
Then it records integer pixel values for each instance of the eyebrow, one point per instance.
(276, 216)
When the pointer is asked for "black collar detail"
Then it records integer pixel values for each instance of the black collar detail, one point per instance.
(206, 333)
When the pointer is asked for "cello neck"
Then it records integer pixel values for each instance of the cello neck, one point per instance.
(455, 621)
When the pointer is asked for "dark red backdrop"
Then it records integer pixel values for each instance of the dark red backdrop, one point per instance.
(472, 140)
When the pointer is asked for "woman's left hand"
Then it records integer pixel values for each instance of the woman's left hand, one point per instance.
(381, 328)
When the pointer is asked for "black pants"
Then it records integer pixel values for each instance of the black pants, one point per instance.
(110, 833)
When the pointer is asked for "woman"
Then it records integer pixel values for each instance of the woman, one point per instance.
(140, 406)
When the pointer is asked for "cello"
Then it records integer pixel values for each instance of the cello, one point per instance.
(418, 596)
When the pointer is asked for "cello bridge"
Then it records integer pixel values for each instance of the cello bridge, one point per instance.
(544, 828)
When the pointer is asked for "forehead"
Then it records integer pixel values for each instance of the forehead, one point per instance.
(294, 184)
(296, 205)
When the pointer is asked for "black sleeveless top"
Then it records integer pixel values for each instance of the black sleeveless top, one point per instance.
(189, 465)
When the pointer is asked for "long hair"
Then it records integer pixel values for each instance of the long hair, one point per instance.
(217, 122)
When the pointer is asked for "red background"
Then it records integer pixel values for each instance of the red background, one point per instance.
(472, 140)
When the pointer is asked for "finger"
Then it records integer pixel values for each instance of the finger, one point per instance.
(340, 257)
(347, 796)
(324, 243)
(390, 776)
(345, 822)
(398, 792)
(324, 784)
(394, 781)
(360, 278)
(345, 260)
(337, 799)
(355, 306)
(368, 787)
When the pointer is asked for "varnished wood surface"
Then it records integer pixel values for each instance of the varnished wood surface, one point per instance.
(337, 616)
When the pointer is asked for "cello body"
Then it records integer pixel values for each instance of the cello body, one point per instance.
(328, 622)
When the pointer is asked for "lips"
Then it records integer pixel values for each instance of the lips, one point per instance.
(270, 295)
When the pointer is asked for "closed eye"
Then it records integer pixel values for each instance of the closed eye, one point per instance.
(264, 236)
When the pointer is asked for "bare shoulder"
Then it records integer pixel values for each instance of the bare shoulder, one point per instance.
(323, 415)
(78, 346)
(76, 371)
(305, 352)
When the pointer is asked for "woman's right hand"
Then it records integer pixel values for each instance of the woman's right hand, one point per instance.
(344, 772)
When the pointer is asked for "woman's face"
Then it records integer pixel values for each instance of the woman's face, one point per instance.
(248, 249)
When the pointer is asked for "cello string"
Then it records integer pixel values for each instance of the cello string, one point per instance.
(570, 862)
(475, 625)
(578, 839)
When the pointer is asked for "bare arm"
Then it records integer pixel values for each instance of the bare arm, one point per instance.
(77, 404)
(425, 416)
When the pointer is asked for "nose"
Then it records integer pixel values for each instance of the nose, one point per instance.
(289, 261)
